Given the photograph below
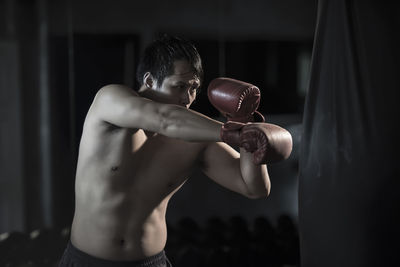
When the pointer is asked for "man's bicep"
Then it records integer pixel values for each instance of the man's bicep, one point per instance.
(221, 163)
(121, 106)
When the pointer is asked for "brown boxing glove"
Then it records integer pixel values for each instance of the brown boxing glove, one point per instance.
(236, 100)
(230, 133)
(268, 142)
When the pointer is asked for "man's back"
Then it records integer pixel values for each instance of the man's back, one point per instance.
(124, 181)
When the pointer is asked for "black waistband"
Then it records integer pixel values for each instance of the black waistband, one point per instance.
(156, 260)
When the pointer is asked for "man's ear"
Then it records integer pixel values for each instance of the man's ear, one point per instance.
(148, 80)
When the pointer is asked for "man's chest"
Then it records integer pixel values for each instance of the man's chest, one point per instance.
(160, 152)
(153, 157)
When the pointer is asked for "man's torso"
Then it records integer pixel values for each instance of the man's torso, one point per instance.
(124, 181)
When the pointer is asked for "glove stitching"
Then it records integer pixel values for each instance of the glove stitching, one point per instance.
(244, 94)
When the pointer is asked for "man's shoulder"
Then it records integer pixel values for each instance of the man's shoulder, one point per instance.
(105, 97)
(113, 89)
(110, 97)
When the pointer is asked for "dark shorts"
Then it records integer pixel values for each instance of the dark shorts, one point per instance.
(73, 257)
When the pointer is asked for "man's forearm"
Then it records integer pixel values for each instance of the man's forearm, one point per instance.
(255, 176)
(188, 125)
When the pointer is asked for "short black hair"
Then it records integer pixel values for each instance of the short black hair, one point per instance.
(159, 57)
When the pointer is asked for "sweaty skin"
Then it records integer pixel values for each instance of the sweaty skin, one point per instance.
(130, 165)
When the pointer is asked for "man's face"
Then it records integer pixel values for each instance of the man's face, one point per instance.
(181, 87)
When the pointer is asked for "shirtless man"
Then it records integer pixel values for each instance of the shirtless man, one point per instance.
(137, 150)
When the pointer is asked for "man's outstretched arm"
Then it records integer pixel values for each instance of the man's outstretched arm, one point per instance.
(121, 106)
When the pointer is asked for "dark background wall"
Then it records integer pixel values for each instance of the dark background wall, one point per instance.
(55, 55)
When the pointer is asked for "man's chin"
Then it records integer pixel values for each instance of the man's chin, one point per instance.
(184, 106)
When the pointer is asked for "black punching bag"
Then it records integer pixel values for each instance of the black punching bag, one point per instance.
(349, 188)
